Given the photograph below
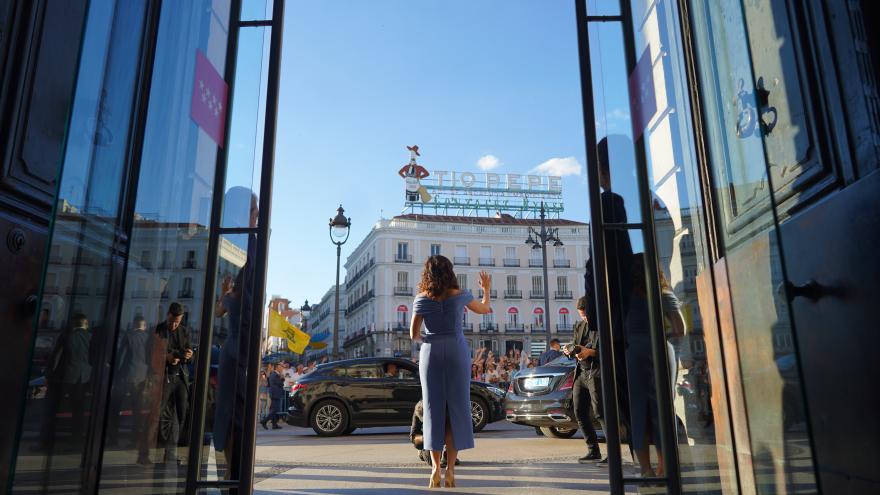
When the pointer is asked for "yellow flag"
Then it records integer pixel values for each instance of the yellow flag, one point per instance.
(297, 340)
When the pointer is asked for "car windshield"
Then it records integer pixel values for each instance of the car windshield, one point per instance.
(562, 360)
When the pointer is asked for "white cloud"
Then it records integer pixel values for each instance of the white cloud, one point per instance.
(488, 162)
(558, 166)
(618, 114)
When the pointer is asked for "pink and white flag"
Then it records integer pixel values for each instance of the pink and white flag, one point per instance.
(208, 107)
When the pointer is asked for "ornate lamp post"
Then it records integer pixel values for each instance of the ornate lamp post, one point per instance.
(305, 310)
(538, 240)
(340, 228)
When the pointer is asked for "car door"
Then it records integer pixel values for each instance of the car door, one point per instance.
(404, 390)
(365, 390)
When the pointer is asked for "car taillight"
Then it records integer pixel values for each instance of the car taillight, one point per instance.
(569, 382)
(298, 386)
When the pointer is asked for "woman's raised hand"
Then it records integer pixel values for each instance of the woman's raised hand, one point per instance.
(485, 282)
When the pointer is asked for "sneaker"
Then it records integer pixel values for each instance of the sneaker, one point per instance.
(603, 462)
(264, 425)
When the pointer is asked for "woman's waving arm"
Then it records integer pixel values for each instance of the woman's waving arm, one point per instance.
(482, 307)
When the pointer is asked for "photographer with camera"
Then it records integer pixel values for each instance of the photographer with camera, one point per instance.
(175, 393)
(586, 392)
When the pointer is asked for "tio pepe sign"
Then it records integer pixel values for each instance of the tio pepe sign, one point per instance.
(491, 182)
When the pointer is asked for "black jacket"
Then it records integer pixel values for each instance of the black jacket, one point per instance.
(587, 336)
(417, 427)
(276, 386)
(176, 344)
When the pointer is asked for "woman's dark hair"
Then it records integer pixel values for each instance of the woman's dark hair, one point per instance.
(437, 276)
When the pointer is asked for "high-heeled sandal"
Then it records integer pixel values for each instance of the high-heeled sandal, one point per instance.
(450, 480)
(434, 482)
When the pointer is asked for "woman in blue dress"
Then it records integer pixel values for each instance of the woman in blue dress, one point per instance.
(445, 362)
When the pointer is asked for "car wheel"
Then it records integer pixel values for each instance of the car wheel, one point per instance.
(538, 431)
(329, 418)
(479, 413)
(558, 431)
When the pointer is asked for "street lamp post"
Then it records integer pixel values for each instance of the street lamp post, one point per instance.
(539, 241)
(340, 228)
(305, 310)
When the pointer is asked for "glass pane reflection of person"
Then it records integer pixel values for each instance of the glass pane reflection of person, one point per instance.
(444, 361)
(235, 303)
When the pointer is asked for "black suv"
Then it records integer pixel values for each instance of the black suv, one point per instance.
(541, 397)
(340, 396)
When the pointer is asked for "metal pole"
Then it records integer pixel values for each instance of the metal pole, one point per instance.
(544, 237)
(249, 427)
(663, 387)
(336, 307)
(602, 318)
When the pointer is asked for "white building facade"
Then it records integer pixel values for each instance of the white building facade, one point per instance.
(384, 270)
(320, 321)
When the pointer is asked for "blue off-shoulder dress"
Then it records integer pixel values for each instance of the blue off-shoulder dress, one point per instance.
(444, 368)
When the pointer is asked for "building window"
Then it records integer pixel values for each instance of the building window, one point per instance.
(489, 318)
(560, 253)
(537, 283)
(435, 249)
(190, 259)
(402, 316)
(403, 279)
(513, 317)
(563, 317)
(510, 252)
(511, 283)
(562, 284)
(403, 252)
(539, 318)
(462, 281)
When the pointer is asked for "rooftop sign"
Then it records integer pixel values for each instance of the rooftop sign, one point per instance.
(478, 193)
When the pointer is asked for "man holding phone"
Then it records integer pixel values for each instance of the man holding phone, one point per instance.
(586, 392)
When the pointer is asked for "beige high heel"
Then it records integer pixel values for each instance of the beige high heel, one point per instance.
(450, 480)
(434, 482)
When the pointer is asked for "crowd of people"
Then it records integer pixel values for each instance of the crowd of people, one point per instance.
(499, 370)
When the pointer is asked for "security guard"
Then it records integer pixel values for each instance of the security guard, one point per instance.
(586, 392)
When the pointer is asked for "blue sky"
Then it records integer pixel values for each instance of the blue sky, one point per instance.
(462, 79)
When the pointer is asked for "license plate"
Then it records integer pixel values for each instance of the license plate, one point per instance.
(535, 383)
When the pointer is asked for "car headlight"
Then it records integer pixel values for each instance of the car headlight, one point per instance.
(497, 391)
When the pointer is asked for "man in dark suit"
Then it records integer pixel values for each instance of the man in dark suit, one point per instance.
(175, 393)
(586, 392)
(276, 396)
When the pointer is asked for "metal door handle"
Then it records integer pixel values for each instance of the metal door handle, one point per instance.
(811, 290)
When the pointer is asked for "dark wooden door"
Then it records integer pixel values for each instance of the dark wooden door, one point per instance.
(39, 46)
(793, 158)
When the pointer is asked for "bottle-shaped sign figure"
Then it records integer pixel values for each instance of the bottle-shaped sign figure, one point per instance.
(412, 174)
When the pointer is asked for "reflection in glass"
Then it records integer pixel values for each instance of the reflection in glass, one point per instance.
(76, 326)
(772, 419)
(146, 443)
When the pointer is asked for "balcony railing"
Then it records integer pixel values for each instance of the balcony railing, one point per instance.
(564, 327)
(185, 294)
(488, 327)
(511, 261)
(533, 263)
(360, 301)
(562, 294)
(462, 260)
(536, 294)
(493, 294)
(467, 327)
(487, 261)
(189, 265)
(402, 258)
(512, 294)
(403, 291)
(511, 328)
(562, 263)
(360, 273)
(140, 294)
